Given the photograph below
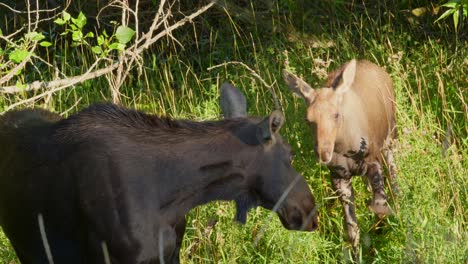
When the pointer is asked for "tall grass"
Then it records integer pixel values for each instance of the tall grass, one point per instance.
(430, 77)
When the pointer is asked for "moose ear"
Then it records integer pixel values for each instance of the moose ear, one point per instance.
(298, 86)
(270, 126)
(347, 76)
(232, 101)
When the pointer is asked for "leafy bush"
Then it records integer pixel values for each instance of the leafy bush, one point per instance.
(458, 9)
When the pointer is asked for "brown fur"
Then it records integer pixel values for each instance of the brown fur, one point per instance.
(125, 178)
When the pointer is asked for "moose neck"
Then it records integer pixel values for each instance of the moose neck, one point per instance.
(217, 172)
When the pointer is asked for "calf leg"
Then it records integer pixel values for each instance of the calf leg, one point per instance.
(391, 166)
(378, 204)
(344, 188)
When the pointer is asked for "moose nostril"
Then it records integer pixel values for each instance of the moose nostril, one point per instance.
(314, 223)
(311, 219)
(297, 220)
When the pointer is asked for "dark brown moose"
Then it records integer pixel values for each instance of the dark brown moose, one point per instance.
(115, 184)
(353, 124)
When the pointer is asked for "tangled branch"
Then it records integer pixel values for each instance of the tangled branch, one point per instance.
(128, 57)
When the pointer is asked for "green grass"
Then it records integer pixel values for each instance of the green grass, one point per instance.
(430, 77)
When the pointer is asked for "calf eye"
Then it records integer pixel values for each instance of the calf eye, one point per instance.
(336, 115)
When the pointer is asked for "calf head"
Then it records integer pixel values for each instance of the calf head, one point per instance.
(272, 181)
(323, 108)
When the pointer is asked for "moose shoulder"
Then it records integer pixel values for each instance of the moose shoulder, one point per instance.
(110, 179)
(353, 122)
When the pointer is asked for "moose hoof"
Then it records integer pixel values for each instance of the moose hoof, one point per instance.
(380, 208)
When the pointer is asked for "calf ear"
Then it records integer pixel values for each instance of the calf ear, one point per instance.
(298, 86)
(270, 126)
(232, 102)
(347, 76)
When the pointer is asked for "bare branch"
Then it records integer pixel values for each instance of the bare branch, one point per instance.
(61, 82)
(77, 79)
(25, 12)
(129, 57)
(269, 86)
(178, 24)
(7, 38)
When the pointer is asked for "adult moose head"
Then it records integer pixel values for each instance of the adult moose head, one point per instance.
(353, 122)
(114, 182)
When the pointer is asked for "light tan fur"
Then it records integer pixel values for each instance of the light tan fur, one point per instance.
(353, 120)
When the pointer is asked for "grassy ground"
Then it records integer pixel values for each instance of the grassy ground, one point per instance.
(429, 67)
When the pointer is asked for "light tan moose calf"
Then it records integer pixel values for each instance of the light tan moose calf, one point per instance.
(353, 123)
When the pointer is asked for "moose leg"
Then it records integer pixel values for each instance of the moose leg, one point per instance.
(378, 204)
(344, 188)
(180, 230)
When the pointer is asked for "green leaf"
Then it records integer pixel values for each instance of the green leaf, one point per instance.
(420, 11)
(445, 14)
(96, 49)
(45, 44)
(80, 21)
(452, 4)
(38, 37)
(117, 46)
(30, 35)
(20, 85)
(18, 56)
(19, 72)
(455, 20)
(66, 15)
(100, 40)
(59, 21)
(77, 36)
(34, 36)
(124, 34)
(89, 35)
(1, 32)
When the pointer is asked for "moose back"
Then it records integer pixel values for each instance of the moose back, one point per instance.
(118, 182)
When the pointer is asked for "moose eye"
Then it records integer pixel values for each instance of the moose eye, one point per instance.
(336, 115)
